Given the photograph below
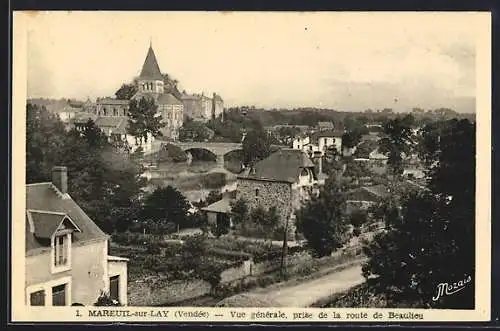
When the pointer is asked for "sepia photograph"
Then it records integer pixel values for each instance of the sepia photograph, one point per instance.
(251, 166)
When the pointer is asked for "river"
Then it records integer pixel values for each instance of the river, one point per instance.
(191, 180)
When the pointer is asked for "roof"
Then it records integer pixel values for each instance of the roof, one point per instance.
(82, 117)
(46, 197)
(325, 125)
(150, 68)
(168, 99)
(46, 223)
(368, 193)
(329, 133)
(284, 165)
(111, 101)
(221, 206)
(117, 123)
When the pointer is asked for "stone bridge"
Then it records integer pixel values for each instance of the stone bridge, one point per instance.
(218, 149)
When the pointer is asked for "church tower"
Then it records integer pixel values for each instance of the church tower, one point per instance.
(151, 79)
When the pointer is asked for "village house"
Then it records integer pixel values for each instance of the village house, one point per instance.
(285, 179)
(219, 213)
(67, 261)
(319, 142)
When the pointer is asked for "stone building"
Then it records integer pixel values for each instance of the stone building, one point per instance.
(67, 259)
(284, 179)
(109, 107)
(201, 108)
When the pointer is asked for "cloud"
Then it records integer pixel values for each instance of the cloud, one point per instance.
(342, 60)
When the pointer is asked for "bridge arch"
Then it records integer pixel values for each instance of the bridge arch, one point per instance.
(201, 154)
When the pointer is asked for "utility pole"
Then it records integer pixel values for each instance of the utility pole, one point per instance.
(284, 251)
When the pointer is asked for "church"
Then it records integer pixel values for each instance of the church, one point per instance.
(110, 114)
(151, 85)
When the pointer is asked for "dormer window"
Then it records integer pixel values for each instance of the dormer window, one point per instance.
(54, 229)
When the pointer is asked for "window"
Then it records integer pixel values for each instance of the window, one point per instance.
(59, 295)
(256, 192)
(304, 172)
(37, 298)
(61, 250)
(114, 288)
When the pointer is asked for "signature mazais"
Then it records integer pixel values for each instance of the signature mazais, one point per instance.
(451, 288)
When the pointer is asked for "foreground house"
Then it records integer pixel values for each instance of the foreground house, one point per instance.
(67, 259)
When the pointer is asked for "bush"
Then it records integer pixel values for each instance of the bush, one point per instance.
(105, 300)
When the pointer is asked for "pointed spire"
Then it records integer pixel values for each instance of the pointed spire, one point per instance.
(150, 68)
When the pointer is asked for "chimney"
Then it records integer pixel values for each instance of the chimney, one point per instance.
(60, 178)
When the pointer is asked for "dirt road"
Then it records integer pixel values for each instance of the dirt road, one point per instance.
(308, 292)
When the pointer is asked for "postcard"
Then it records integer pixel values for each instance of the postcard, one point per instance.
(251, 166)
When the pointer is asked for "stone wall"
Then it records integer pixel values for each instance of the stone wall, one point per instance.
(151, 294)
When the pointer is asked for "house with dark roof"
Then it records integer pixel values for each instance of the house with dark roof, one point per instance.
(285, 179)
(67, 259)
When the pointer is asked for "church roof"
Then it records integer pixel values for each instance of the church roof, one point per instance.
(150, 68)
(168, 99)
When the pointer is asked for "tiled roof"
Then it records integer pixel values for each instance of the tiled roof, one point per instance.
(221, 206)
(46, 197)
(150, 68)
(284, 165)
(117, 123)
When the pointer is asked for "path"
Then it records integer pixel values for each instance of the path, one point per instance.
(306, 293)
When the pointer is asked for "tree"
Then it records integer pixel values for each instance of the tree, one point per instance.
(144, 119)
(256, 147)
(194, 131)
(322, 220)
(399, 140)
(45, 135)
(166, 205)
(331, 161)
(105, 182)
(351, 138)
(239, 211)
(126, 91)
(410, 266)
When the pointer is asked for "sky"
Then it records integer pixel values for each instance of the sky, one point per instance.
(343, 61)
